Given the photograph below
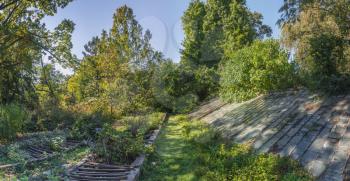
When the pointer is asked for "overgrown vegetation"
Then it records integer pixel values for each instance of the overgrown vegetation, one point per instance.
(12, 119)
(191, 150)
(318, 32)
(257, 69)
(52, 169)
(117, 88)
(123, 142)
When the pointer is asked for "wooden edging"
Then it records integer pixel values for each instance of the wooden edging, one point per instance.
(140, 160)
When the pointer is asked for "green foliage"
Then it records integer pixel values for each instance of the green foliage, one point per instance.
(324, 67)
(192, 21)
(317, 32)
(15, 154)
(124, 141)
(216, 28)
(173, 87)
(118, 146)
(155, 120)
(179, 88)
(24, 39)
(12, 119)
(260, 68)
(56, 144)
(85, 126)
(116, 72)
(206, 82)
(224, 161)
(192, 150)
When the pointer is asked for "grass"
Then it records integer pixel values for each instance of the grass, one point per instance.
(190, 150)
(173, 158)
(46, 170)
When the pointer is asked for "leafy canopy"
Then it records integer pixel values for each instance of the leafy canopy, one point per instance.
(256, 69)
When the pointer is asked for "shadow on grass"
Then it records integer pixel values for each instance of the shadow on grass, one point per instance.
(174, 158)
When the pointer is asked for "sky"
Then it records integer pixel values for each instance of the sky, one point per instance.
(161, 17)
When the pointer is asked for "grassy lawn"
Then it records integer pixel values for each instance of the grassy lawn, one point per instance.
(189, 150)
(173, 158)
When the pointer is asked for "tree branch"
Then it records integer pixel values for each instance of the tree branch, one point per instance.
(3, 5)
(10, 15)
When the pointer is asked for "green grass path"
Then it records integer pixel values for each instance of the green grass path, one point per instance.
(173, 158)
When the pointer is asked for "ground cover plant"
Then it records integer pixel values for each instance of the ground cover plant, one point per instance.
(190, 150)
(123, 142)
(14, 152)
(53, 169)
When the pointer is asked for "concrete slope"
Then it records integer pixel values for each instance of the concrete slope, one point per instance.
(297, 124)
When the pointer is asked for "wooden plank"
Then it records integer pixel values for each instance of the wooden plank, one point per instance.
(101, 165)
(289, 119)
(287, 143)
(278, 128)
(301, 117)
(337, 161)
(296, 134)
(311, 135)
(101, 170)
(318, 156)
(98, 178)
(239, 112)
(97, 173)
(255, 130)
(251, 116)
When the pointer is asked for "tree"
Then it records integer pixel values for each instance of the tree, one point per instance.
(192, 21)
(319, 33)
(216, 28)
(25, 41)
(260, 68)
(116, 71)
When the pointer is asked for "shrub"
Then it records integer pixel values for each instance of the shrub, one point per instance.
(207, 82)
(56, 143)
(260, 68)
(136, 125)
(179, 88)
(118, 146)
(86, 126)
(12, 119)
(154, 120)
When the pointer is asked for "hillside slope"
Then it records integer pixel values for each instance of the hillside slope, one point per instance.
(311, 129)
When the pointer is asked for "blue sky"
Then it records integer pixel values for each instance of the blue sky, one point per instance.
(161, 17)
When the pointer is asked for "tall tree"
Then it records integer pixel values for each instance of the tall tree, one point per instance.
(192, 21)
(117, 68)
(217, 28)
(319, 34)
(24, 41)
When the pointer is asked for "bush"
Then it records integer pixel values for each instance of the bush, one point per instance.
(86, 126)
(143, 124)
(56, 143)
(154, 120)
(260, 68)
(118, 146)
(325, 68)
(136, 125)
(207, 82)
(12, 119)
(179, 88)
